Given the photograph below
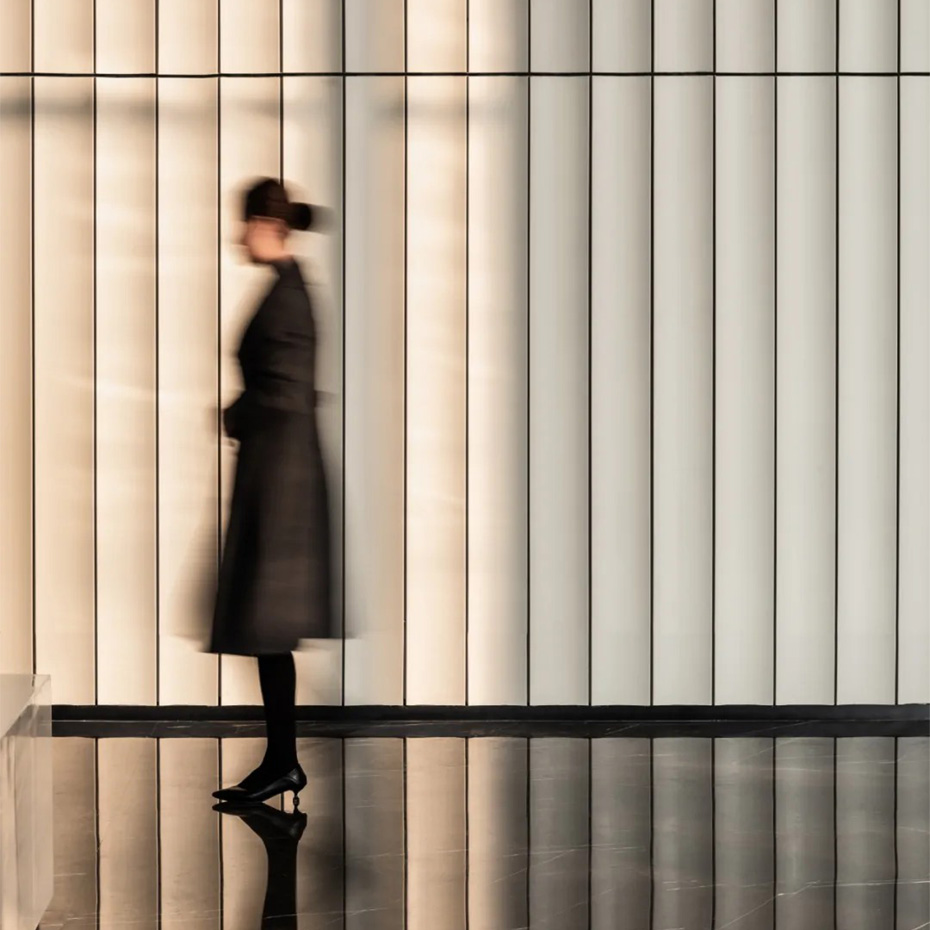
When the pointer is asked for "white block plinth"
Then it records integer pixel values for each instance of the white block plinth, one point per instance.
(26, 866)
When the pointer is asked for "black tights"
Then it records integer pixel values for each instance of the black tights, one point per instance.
(278, 681)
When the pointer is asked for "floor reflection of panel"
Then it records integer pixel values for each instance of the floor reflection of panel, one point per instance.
(375, 843)
(621, 830)
(559, 833)
(188, 835)
(744, 850)
(913, 830)
(128, 832)
(497, 834)
(804, 843)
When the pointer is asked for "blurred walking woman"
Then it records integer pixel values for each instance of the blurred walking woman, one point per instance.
(274, 579)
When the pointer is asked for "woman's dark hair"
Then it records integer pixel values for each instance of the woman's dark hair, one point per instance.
(268, 197)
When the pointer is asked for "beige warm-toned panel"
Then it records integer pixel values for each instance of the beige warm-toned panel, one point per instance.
(560, 32)
(249, 148)
(620, 393)
(559, 382)
(912, 785)
(497, 833)
(125, 387)
(313, 165)
(187, 373)
(15, 35)
(497, 390)
(249, 36)
(868, 36)
(684, 35)
(915, 35)
(374, 830)
(188, 835)
(745, 392)
(682, 833)
(622, 35)
(683, 391)
(125, 36)
(436, 365)
(64, 36)
(621, 833)
(74, 838)
(312, 35)
(16, 376)
(745, 35)
(374, 392)
(913, 650)
(187, 36)
(559, 834)
(436, 35)
(868, 345)
(128, 830)
(374, 36)
(436, 834)
(498, 35)
(806, 398)
(64, 387)
(806, 35)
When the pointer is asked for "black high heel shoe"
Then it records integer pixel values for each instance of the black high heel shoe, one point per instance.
(295, 780)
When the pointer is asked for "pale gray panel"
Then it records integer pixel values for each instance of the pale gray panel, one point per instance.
(912, 833)
(64, 386)
(559, 35)
(622, 35)
(16, 35)
(374, 439)
(375, 821)
(498, 35)
(16, 376)
(560, 819)
(125, 378)
(868, 35)
(497, 391)
(436, 834)
(187, 373)
(865, 839)
(804, 837)
(559, 383)
(683, 826)
(745, 405)
(188, 835)
(621, 833)
(806, 35)
(745, 35)
(128, 831)
(497, 833)
(436, 390)
(312, 35)
(683, 391)
(436, 35)
(374, 35)
(806, 348)
(867, 568)
(914, 530)
(188, 33)
(620, 428)
(313, 168)
(684, 35)
(744, 840)
(125, 36)
(915, 35)
(249, 147)
(249, 36)
(63, 33)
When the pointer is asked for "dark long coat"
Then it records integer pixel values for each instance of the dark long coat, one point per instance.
(274, 579)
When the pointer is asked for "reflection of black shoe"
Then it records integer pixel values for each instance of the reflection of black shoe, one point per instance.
(295, 780)
(267, 822)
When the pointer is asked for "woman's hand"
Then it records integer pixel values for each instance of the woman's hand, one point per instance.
(231, 418)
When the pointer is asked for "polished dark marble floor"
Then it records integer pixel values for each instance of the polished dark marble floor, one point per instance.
(660, 832)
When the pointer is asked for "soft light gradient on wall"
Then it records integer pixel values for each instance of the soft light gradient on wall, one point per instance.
(623, 333)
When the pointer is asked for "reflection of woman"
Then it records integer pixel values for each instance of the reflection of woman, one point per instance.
(274, 580)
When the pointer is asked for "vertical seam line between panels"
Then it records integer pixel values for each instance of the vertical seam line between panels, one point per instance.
(836, 859)
(32, 298)
(897, 516)
(97, 850)
(467, 553)
(96, 657)
(405, 804)
(652, 426)
(529, 352)
(713, 822)
(774, 827)
(219, 826)
(157, 386)
(836, 370)
(713, 388)
(775, 362)
(342, 513)
(529, 825)
(652, 814)
(590, 593)
(158, 842)
(406, 353)
(345, 870)
(281, 91)
(219, 326)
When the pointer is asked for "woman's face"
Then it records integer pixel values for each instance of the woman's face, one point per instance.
(262, 238)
